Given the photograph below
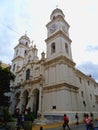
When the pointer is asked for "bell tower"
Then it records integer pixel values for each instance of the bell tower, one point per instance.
(19, 53)
(58, 40)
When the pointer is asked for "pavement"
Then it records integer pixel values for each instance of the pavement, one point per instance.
(54, 125)
(58, 126)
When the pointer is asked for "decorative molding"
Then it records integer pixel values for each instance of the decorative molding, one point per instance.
(17, 58)
(59, 33)
(61, 60)
(62, 86)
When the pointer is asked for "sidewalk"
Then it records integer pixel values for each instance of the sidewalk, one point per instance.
(58, 126)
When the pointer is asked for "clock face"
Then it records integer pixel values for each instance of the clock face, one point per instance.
(53, 28)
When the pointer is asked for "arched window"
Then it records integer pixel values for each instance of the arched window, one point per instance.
(53, 17)
(26, 43)
(66, 48)
(25, 52)
(53, 47)
(27, 74)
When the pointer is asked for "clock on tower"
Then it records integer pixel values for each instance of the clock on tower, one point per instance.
(53, 28)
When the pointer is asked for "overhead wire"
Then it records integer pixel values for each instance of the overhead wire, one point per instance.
(10, 28)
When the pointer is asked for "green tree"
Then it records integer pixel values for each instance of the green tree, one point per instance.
(5, 77)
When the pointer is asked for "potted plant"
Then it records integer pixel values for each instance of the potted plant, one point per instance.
(28, 119)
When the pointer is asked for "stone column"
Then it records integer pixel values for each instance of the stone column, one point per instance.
(12, 106)
(31, 101)
(41, 101)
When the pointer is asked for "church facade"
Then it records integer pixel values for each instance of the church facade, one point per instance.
(51, 85)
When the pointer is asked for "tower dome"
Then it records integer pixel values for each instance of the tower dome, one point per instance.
(56, 12)
(25, 37)
(24, 40)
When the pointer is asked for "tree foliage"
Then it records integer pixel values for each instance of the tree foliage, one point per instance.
(5, 77)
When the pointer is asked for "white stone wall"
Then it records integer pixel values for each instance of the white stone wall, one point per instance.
(61, 88)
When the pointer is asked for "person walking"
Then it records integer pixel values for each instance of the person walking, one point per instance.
(66, 121)
(88, 122)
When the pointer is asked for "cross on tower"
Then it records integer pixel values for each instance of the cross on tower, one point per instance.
(25, 33)
(56, 6)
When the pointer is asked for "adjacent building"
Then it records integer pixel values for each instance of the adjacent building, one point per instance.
(51, 85)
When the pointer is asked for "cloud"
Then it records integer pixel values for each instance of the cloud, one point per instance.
(8, 30)
(91, 48)
(18, 16)
(89, 68)
(6, 43)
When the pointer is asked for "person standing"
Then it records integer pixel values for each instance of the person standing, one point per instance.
(77, 118)
(22, 119)
(66, 121)
(19, 122)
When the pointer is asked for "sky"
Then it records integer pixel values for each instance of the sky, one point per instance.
(18, 17)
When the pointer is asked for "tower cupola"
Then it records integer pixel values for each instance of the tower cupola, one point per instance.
(24, 40)
(55, 13)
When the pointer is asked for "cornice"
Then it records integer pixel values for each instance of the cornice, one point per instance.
(62, 86)
(61, 60)
(34, 80)
(20, 45)
(81, 74)
(18, 57)
(58, 34)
